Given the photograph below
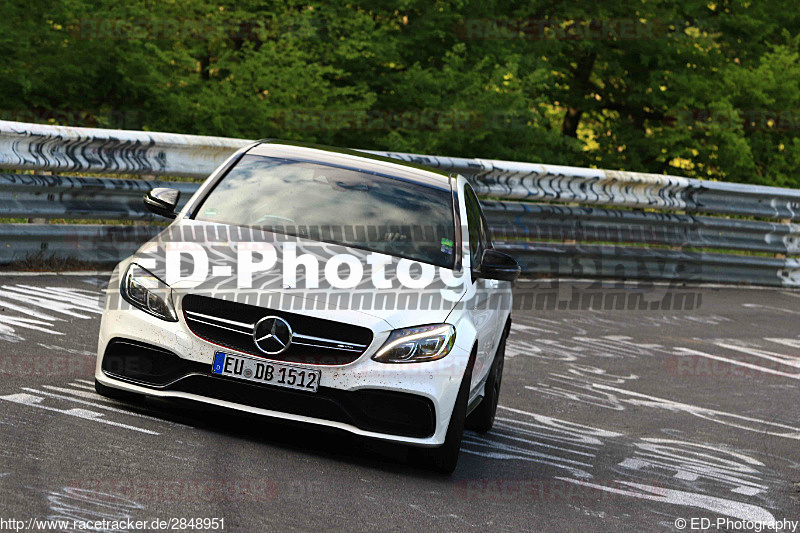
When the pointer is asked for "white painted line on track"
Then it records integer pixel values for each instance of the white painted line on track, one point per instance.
(83, 402)
(637, 398)
(507, 432)
(97, 403)
(35, 401)
(739, 510)
(81, 386)
(27, 311)
(751, 366)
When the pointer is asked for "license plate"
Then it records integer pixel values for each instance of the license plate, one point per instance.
(260, 371)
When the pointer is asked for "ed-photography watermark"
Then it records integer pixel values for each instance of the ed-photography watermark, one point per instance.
(734, 524)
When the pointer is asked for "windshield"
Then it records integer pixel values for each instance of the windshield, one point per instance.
(338, 205)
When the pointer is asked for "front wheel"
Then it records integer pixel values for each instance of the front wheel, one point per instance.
(481, 419)
(445, 458)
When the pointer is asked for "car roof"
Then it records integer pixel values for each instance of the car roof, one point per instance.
(353, 159)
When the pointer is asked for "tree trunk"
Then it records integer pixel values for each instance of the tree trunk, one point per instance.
(571, 120)
(581, 75)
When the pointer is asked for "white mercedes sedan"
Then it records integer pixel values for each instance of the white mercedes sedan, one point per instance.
(318, 285)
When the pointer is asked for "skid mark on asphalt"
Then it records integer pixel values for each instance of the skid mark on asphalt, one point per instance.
(670, 471)
(44, 308)
(81, 403)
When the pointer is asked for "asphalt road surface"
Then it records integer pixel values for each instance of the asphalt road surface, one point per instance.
(623, 408)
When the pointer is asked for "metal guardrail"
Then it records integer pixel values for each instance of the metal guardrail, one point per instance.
(26, 146)
(88, 242)
(518, 221)
(33, 195)
(558, 220)
(529, 181)
(590, 261)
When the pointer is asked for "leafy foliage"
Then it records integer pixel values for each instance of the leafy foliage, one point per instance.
(708, 89)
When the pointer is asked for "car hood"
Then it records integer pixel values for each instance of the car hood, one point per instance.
(186, 242)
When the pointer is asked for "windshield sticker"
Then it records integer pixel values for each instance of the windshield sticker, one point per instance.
(447, 246)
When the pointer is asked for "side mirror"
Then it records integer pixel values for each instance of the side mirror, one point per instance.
(163, 201)
(497, 265)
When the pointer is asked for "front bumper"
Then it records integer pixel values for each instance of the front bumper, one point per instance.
(409, 403)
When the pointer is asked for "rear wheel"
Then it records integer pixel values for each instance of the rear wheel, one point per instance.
(116, 394)
(481, 419)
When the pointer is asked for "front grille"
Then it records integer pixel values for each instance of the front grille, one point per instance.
(316, 341)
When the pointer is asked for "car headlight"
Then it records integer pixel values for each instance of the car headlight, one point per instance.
(418, 344)
(145, 291)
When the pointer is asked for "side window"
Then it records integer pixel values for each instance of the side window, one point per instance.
(478, 238)
(486, 237)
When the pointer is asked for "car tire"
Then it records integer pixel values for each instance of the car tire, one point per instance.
(116, 394)
(481, 419)
(444, 458)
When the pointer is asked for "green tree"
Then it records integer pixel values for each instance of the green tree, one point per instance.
(697, 88)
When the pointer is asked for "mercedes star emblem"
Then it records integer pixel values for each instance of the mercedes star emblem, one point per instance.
(272, 335)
